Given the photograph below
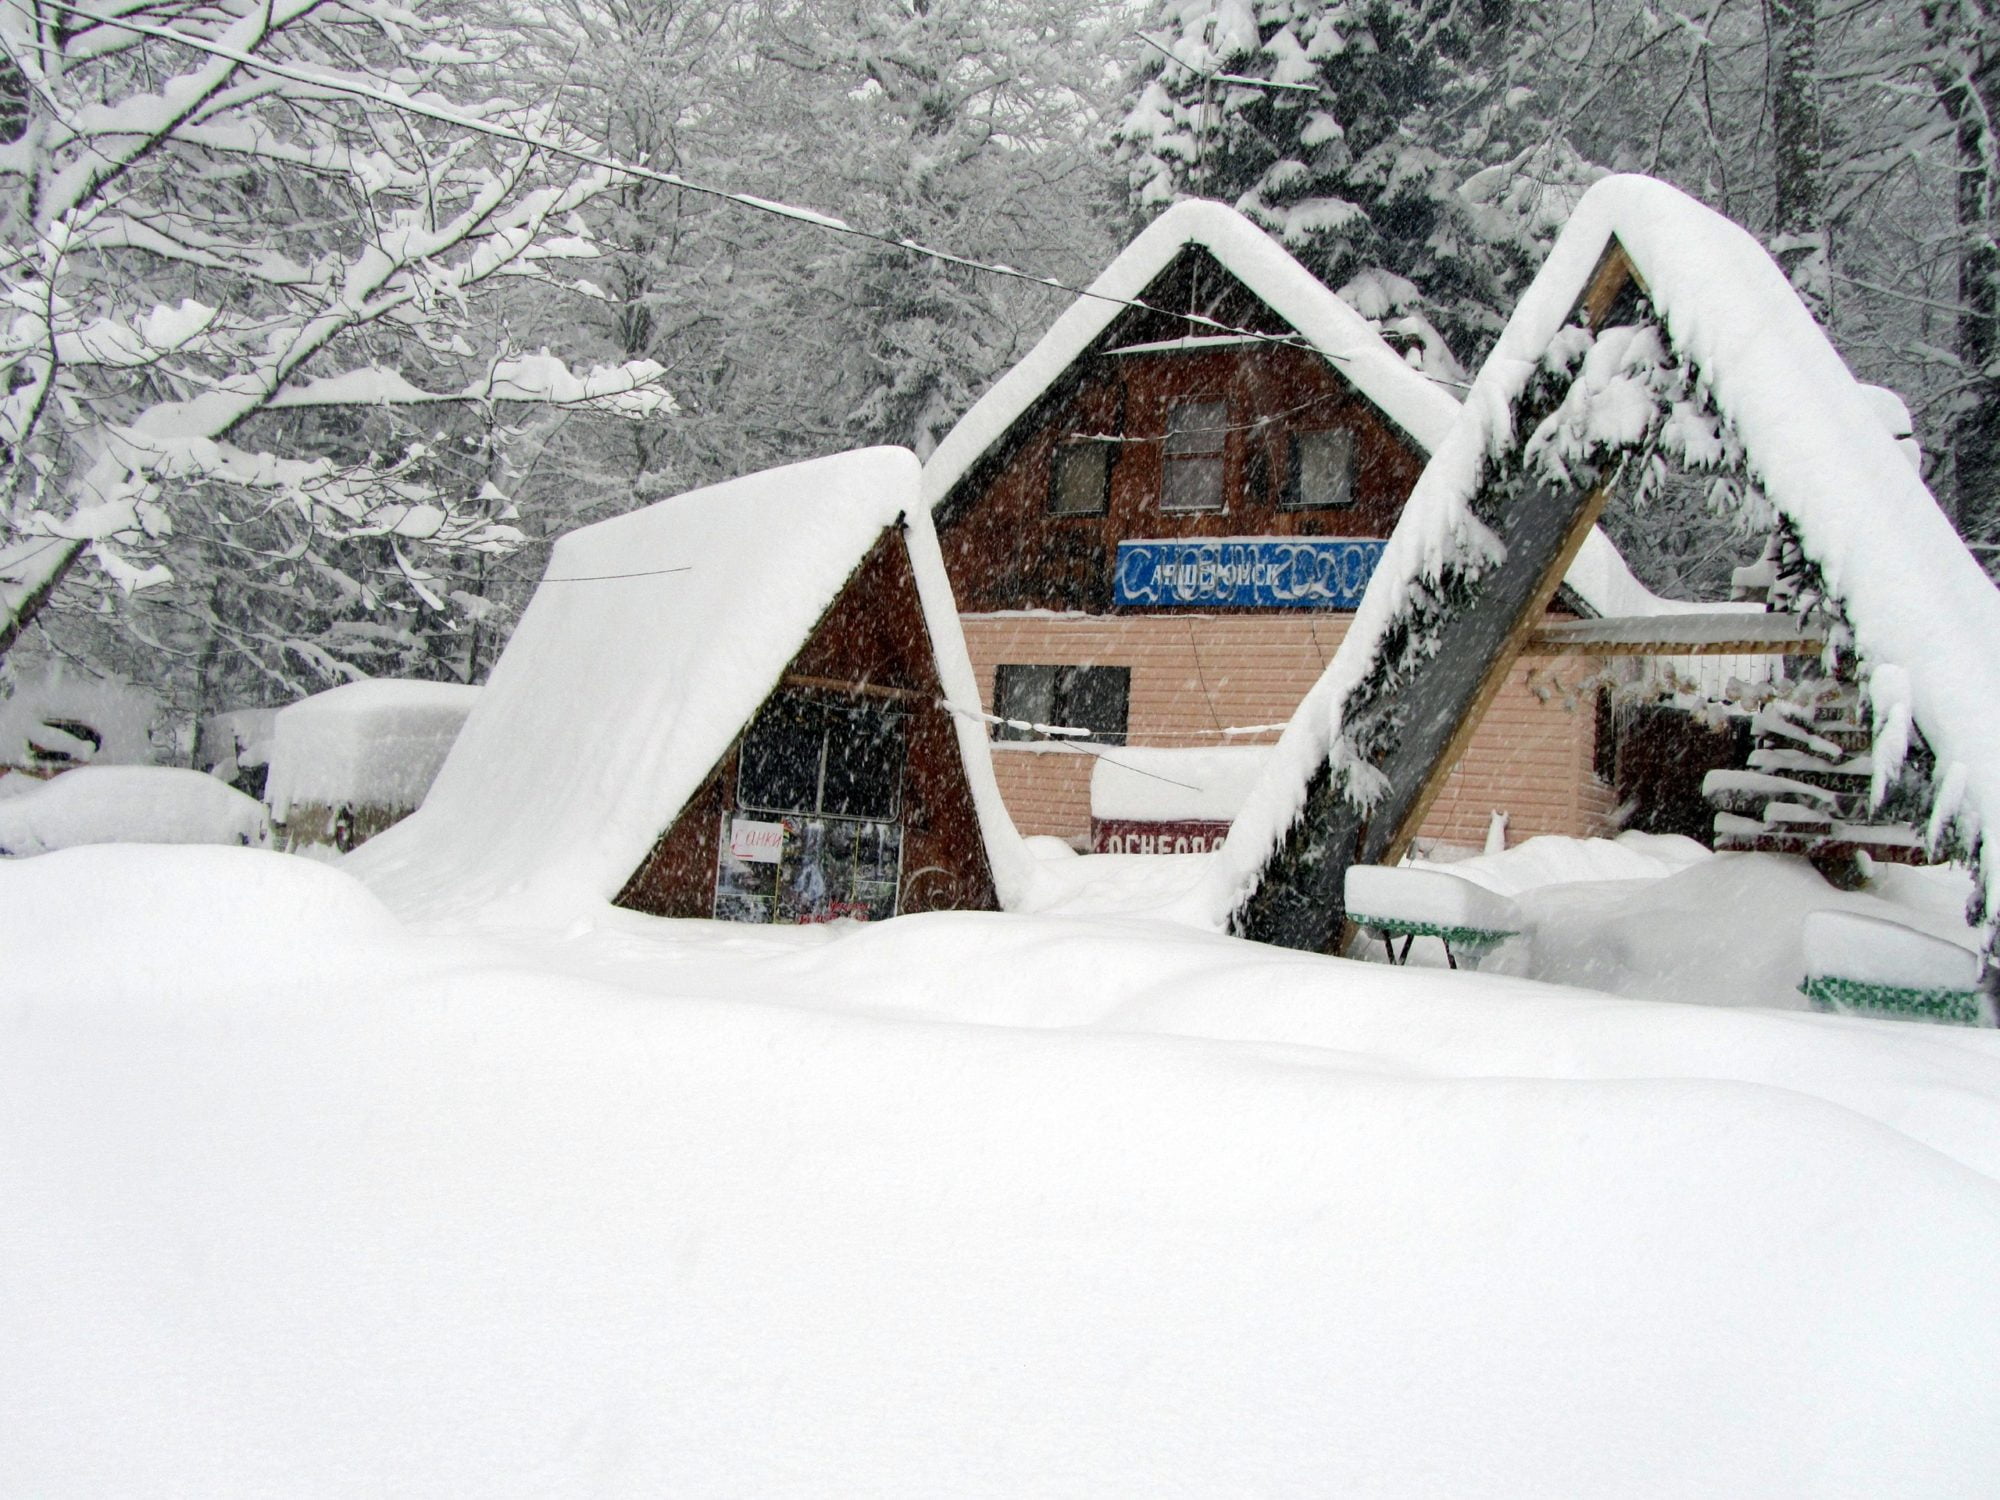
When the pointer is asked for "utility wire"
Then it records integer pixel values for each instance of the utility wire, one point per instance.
(537, 141)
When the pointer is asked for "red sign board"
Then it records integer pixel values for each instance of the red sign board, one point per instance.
(1128, 836)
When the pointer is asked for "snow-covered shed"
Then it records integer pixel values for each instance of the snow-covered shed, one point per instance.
(349, 762)
(732, 703)
(1657, 329)
(1158, 525)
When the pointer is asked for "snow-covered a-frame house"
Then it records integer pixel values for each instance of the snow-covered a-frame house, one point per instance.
(1656, 331)
(1159, 523)
(731, 703)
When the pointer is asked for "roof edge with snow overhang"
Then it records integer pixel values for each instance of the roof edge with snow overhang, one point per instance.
(650, 643)
(1924, 614)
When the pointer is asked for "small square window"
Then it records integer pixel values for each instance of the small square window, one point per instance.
(1322, 471)
(1080, 479)
(1192, 461)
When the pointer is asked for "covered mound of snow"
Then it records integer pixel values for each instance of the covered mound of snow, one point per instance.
(957, 1205)
(129, 805)
(54, 717)
(1151, 785)
(1418, 897)
(377, 743)
(650, 643)
(1924, 613)
(1871, 950)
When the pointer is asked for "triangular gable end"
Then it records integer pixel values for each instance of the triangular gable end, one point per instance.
(1656, 325)
(870, 661)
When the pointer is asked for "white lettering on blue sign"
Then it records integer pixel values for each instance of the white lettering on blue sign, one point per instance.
(1256, 572)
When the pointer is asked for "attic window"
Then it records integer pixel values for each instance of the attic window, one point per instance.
(1080, 479)
(1192, 463)
(1322, 471)
(802, 755)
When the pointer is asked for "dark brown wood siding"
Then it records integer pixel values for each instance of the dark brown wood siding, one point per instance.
(871, 642)
(1005, 550)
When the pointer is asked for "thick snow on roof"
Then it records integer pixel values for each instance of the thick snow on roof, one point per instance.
(375, 743)
(1155, 785)
(650, 643)
(1925, 616)
(1420, 407)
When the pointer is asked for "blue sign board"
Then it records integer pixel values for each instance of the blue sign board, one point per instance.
(1307, 572)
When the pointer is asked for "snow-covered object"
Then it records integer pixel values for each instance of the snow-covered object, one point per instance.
(1428, 898)
(1813, 440)
(238, 740)
(377, 744)
(650, 643)
(1420, 406)
(129, 805)
(117, 716)
(1873, 950)
(1145, 784)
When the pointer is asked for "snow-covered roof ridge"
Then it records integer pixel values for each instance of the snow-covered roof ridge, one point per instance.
(1417, 404)
(1919, 604)
(651, 641)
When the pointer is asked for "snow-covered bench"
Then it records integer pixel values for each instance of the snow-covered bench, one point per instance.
(1859, 965)
(1397, 901)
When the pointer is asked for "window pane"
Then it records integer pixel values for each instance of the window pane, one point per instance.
(1095, 698)
(1080, 479)
(1021, 692)
(1192, 484)
(1197, 427)
(779, 771)
(1322, 470)
(864, 763)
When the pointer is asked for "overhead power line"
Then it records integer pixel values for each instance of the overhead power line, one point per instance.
(516, 135)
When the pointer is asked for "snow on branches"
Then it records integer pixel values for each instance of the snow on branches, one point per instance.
(222, 235)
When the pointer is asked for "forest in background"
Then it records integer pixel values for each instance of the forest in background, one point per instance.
(305, 372)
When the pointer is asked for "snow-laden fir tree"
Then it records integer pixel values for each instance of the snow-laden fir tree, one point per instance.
(1382, 141)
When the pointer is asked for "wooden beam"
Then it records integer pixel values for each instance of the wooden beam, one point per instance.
(856, 689)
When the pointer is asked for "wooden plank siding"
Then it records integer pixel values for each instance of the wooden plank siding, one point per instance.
(1531, 756)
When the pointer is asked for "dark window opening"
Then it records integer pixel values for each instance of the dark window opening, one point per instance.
(802, 755)
(1192, 462)
(1093, 698)
(1604, 750)
(1322, 470)
(1080, 479)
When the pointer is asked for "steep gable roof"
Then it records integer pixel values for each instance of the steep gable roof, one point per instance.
(1420, 406)
(651, 641)
(1924, 614)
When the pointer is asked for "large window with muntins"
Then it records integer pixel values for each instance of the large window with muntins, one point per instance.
(1192, 463)
(1092, 698)
(803, 755)
(1322, 471)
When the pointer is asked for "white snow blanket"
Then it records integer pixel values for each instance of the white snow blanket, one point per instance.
(299, 1202)
(128, 805)
(377, 743)
(1924, 613)
(650, 643)
(1870, 950)
(1147, 784)
(118, 713)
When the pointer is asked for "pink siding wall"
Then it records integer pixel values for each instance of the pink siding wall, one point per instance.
(1194, 674)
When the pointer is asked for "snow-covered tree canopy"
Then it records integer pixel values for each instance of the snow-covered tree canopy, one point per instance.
(1710, 360)
(223, 237)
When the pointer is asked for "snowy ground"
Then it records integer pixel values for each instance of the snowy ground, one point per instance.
(300, 1201)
